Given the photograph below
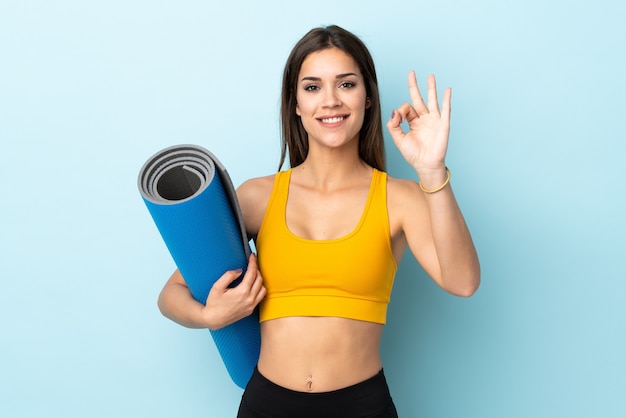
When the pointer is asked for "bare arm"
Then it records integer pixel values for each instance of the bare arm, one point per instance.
(432, 223)
(437, 235)
(224, 305)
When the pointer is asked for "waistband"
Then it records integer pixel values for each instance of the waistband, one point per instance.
(362, 399)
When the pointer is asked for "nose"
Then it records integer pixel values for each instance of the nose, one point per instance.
(331, 98)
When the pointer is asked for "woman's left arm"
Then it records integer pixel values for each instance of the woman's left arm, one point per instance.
(431, 220)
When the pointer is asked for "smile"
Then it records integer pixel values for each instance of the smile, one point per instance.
(335, 119)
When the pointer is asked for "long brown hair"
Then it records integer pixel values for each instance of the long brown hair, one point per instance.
(294, 137)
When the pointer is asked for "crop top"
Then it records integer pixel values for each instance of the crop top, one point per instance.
(348, 277)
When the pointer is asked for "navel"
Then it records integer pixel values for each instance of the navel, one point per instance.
(309, 383)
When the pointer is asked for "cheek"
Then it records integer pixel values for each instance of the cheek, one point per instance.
(302, 107)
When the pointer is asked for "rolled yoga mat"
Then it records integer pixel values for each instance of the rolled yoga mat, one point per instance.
(193, 203)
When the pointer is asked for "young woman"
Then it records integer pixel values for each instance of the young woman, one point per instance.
(330, 232)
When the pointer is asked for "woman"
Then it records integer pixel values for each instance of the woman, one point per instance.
(329, 233)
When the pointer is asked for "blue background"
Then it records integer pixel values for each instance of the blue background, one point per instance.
(89, 90)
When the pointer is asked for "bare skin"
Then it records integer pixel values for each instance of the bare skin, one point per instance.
(326, 199)
(317, 354)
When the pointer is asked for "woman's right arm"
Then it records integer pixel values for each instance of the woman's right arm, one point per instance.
(224, 305)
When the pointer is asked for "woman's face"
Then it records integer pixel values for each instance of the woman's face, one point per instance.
(331, 98)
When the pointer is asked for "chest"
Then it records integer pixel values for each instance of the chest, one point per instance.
(324, 216)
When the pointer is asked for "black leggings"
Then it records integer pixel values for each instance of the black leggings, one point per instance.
(368, 399)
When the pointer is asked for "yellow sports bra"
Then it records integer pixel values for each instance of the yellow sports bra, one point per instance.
(348, 277)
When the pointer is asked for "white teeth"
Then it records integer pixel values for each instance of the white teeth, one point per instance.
(333, 120)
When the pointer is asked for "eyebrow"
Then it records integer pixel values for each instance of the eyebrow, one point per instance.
(338, 76)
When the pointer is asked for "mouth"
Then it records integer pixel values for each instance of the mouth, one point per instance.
(333, 119)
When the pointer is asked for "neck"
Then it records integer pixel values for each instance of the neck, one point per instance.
(329, 170)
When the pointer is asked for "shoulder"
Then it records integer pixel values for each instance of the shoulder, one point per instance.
(256, 187)
(399, 191)
(254, 195)
(405, 200)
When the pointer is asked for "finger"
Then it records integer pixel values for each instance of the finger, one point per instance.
(433, 105)
(260, 293)
(257, 291)
(446, 105)
(251, 272)
(416, 96)
(226, 279)
(394, 126)
(257, 285)
(408, 113)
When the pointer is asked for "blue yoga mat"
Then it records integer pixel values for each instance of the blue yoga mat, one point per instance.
(193, 203)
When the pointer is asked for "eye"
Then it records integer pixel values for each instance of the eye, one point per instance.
(311, 87)
(347, 85)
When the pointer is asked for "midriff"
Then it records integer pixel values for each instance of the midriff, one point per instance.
(319, 354)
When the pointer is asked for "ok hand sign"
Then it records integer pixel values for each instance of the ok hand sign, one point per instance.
(424, 146)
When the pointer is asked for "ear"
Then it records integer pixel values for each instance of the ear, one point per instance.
(368, 103)
(298, 110)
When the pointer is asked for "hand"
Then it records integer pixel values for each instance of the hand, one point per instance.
(226, 305)
(426, 143)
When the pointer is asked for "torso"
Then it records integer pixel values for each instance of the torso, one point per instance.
(317, 354)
